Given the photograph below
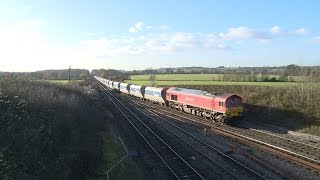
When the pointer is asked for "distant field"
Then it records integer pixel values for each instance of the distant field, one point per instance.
(190, 77)
(218, 83)
(177, 77)
(62, 81)
(200, 79)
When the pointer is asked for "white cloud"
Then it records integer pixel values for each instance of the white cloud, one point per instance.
(223, 47)
(242, 33)
(181, 41)
(185, 41)
(238, 33)
(28, 48)
(276, 30)
(151, 44)
(300, 31)
(132, 30)
(139, 26)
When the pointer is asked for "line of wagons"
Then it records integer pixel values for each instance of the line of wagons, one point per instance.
(217, 107)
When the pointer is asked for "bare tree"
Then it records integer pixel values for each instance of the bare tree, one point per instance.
(152, 79)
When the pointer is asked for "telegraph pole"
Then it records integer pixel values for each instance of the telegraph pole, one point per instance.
(69, 73)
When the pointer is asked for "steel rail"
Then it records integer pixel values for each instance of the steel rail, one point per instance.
(167, 165)
(292, 156)
(202, 142)
(280, 137)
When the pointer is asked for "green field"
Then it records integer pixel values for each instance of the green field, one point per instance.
(62, 81)
(200, 79)
(177, 77)
(185, 77)
(218, 83)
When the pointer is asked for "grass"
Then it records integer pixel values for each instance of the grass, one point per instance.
(111, 154)
(62, 81)
(315, 130)
(293, 107)
(177, 77)
(192, 77)
(206, 79)
(217, 83)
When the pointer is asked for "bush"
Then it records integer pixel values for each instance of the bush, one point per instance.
(47, 131)
(295, 107)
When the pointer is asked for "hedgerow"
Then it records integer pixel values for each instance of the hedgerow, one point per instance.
(47, 131)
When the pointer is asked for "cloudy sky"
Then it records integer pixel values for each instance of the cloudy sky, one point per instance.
(122, 34)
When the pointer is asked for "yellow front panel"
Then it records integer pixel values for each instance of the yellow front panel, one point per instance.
(234, 111)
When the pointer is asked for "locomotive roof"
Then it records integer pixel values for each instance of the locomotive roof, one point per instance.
(203, 93)
(194, 91)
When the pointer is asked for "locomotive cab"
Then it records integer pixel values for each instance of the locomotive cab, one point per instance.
(234, 107)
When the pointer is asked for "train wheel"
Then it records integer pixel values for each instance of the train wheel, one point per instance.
(212, 118)
(222, 120)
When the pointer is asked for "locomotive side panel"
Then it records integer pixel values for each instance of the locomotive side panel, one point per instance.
(189, 99)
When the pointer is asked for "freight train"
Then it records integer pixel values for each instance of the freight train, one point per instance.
(218, 107)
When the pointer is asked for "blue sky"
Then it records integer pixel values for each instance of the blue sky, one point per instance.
(53, 34)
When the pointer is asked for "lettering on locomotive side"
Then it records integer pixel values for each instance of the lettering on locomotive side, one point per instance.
(189, 99)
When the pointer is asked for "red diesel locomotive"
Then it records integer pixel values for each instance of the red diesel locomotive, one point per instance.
(218, 107)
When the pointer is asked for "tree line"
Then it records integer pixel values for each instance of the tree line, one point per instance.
(75, 74)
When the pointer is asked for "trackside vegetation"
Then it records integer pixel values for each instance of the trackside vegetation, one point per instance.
(218, 83)
(218, 77)
(51, 131)
(293, 105)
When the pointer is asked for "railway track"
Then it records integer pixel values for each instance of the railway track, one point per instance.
(177, 166)
(216, 156)
(309, 150)
(207, 165)
(293, 151)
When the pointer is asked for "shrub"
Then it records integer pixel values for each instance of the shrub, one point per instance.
(48, 131)
(295, 107)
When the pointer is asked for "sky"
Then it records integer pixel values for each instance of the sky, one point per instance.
(140, 34)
